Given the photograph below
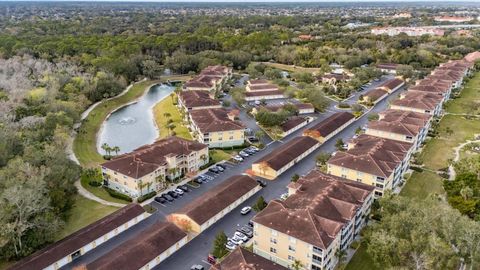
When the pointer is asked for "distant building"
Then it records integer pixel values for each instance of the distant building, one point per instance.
(210, 79)
(217, 127)
(454, 19)
(417, 101)
(293, 124)
(87, 239)
(402, 15)
(196, 100)
(472, 57)
(321, 216)
(303, 108)
(257, 90)
(147, 168)
(409, 31)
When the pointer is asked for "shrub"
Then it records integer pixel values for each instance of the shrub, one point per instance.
(417, 169)
(94, 183)
(343, 105)
(118, 195)
(146, 196)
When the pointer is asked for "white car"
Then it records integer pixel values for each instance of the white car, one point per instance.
(230, 245)
(240, 236)
(235, 241)
(284, 196)
(238, 158)
(245, 210)
(179, 191)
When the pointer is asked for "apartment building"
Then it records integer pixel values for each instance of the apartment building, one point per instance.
(257, 90)
(87, 239)
(217, 128)
(197, 100)
(241, 258)
(405, 126)
(420, 102)
(203, 212)
(284, 157)
(145, 169)
(392, 85)
(144, 251)
(472, 57)
(293, 124)
(375, 95)
(409, 31)
(210, 79)
(435, 85)
(330, 127)
(375, 161)
(390, 68)
(321, 216)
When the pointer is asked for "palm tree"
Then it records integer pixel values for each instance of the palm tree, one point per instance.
(106, 148)
(171, 127)
(297, 265)
(116, 149)
(204, 158)
(167, 115)
(342, 256)
(466, 193)
(140, 186)
(160, 179)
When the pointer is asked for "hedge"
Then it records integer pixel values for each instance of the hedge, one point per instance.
(118, 195)
(146, 196)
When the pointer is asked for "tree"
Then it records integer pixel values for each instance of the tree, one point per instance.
(342, 256)
(339, 144)
(260, 204)
(297, 265)
(116, 149)
(323, 157)
(219, 249)
(260, 134)
(405, 71)
(373, 117)
(295, 178)
(106, 148)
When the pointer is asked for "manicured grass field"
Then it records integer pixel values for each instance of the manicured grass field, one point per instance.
(84, 213)
(100, 192)
(422, 184)
(219, 155)
(469, 97)
(167, 106)
(361, 260)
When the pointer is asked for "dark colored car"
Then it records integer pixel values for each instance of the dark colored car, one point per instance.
(184, 188)
(160, 199)
(198, 180)
(213, 169)
(262, 183)
(247, 231)
(173, 194)
(168, 197)
(222, 165)
(250, 223)
(211, 259)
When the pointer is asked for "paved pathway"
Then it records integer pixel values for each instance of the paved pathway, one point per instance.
(87, 194)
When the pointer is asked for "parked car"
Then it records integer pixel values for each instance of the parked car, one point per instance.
(284, 196)
(257, 102)
(252, 139)
(230, 245)
(238, 158)
(173, 194)
(168, 197)
(245, 210)
(197, 267)
(249, 151)
(250, 223)
(184, 188)
(262, 183)
(243, 154)
(160, 200)
(198, 180)
(235, 240)
(254, 148)
(222, 165)
(241, 236)
(213, 169)
(178, 191)
(219, 168)
(247, 231)
(211, 259)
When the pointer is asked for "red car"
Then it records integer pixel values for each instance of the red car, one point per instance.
(211, 259)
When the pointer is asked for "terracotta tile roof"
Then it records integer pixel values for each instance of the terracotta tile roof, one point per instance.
(387, 66)
(376, 94)
(473, 56)
(192, 99)
(338, 77)
(257, 81)
(373, 155)
(392, 84)
(148, 158)
(68, 245)
(448, 74)
(292, 122)
(216, 199)
(329, 125)
(141, 249)
(262, 87)
(287, 152)
(275, 108)
(321, 205)
(418, 100)
(242, 259)
(214, 120)
(263, 93)
(400, 122)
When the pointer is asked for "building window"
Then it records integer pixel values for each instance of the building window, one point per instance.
(273, 240)
(291, 248)
(291, 258)
(273, 250)
(273, 232)
(378, 193)
(231, 137)
(292, 240)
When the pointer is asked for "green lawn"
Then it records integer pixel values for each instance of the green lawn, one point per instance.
(422, 184)
(292, 68)
(361, 260)
(219, 155)
(100, 192)
(469, 97)
(167, 106)
(84, 213)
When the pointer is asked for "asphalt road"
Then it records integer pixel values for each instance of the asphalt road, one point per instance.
(196, 251)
